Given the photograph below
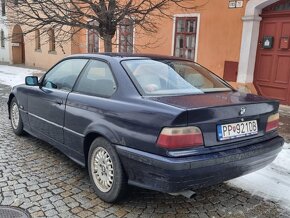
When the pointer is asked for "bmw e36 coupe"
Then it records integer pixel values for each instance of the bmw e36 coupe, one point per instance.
(157, 122)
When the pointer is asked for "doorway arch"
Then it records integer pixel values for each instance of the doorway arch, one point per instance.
(18, 47)
(251, 27)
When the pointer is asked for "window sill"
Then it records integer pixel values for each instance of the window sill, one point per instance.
(52, 52)
(38, 50)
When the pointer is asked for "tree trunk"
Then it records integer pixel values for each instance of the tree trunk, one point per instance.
(108, 43)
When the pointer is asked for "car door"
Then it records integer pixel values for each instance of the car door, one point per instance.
(88, 103)
(46, 103)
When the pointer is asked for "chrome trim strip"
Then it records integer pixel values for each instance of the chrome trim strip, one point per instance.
(57, 125)
(22, 110)
(52, 123)
(74, 132)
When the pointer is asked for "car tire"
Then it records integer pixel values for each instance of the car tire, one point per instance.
(106, 172)
(15, 118)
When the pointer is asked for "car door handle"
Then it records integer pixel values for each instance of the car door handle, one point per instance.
(59, 102)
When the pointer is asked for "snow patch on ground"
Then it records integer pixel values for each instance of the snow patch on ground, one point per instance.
(272, 182)
(13, 76)
(287, 146)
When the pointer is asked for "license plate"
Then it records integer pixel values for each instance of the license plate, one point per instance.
(237, 130)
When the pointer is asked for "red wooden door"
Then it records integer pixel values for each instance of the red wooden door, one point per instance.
(272, 71)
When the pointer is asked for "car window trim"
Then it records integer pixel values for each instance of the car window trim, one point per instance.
(83, 71)
(135, 83)
(66, 59)
(144, 94)
(57, 90)
(201, 66)
(217, 76)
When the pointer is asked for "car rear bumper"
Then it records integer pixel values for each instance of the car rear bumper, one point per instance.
(176, 174)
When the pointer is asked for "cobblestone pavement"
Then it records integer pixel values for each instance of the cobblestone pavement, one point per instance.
(38, 178)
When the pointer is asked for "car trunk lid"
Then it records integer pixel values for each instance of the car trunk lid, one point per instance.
(207, 111)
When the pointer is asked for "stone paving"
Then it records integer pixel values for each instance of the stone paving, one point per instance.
(38, 178)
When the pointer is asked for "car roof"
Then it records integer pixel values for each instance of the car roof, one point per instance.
(125, 56)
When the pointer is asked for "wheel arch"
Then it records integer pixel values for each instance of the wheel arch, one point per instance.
(90, 136)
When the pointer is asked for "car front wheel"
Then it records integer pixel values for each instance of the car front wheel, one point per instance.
(15, 117)
(106, 171)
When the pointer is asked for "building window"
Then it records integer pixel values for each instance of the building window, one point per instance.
(37, 40)
(3, 9)
(126, 31)
(185, 37)
(2, 39)
(93, 39)
(51, 40)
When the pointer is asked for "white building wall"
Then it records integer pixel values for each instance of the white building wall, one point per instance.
(4, 52)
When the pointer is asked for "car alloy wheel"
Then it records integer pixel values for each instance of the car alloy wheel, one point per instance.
(103, 169)
(15, 115)
(106, 172)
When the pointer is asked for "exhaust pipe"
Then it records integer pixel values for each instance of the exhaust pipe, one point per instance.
(186, 193)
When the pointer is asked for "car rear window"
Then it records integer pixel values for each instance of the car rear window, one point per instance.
(172, 77)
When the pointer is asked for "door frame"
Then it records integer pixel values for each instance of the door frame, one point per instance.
(18, 45)
(279, 17)
(250, 35)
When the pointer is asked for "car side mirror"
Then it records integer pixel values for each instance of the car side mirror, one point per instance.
(31, 81)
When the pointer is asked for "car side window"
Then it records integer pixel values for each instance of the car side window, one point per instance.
(97, 79)
(64, 75)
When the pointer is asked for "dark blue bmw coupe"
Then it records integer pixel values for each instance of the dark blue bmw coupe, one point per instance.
(156, 122)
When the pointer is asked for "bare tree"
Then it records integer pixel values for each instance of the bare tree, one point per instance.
(68, 17)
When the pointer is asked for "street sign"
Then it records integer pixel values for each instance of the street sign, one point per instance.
(15, 44)
(232, 4)
(236, 3)
(239, 4)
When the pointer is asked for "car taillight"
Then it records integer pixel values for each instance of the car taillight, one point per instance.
(273, 122)
(180, 137)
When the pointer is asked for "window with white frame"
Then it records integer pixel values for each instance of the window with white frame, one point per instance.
(185, 37)
(126, 34)
(93, 39)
